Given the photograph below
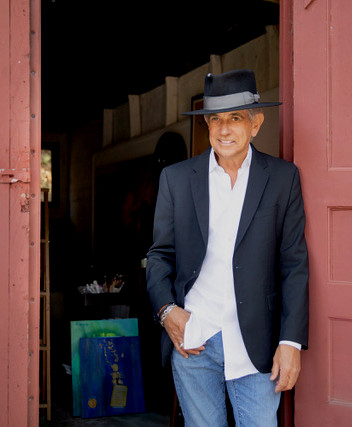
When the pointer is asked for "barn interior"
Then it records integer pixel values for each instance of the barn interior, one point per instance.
(116, 78)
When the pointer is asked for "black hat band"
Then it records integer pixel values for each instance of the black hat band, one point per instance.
(229, 101)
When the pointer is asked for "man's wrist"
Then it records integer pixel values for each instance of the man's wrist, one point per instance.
(164, 311)
(292, 343)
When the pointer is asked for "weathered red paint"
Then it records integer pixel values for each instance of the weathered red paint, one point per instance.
(20, 212)
(4, 209)
(34, 202)
(322, 36)
(286, 81)
(286, 415)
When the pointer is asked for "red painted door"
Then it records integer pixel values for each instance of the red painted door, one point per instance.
(322, 82)
(19, 211)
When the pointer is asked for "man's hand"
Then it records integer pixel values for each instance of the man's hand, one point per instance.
(286, 367)
(175, 326)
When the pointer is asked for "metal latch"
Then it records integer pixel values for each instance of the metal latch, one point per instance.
(11, 176)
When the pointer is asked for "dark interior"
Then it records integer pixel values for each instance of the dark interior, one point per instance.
(94, 54)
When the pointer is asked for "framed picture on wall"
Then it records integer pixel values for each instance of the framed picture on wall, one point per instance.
(199, 129)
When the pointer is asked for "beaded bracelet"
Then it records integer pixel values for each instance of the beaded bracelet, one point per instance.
(165, 312)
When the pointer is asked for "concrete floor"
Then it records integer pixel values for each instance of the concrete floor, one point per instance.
(62, 418)
(134, 420)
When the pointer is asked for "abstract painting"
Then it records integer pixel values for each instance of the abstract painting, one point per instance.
(111, 376)
(93, 329)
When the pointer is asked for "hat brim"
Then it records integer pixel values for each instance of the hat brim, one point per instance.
(226, 110)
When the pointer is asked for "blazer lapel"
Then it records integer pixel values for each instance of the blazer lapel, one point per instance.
(257, 180)
(200, 192)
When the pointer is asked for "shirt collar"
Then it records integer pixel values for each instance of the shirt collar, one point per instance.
(213, 164)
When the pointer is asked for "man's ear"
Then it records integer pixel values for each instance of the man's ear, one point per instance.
(258, 120)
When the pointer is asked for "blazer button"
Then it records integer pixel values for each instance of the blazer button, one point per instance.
(194, 271)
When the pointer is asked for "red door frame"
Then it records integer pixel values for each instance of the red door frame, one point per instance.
(35, 214)
(20, 143)
(320, 72)
(286, 413)
(286, 80)
(323, 151)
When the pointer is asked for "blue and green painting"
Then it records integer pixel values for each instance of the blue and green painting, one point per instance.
(111, 376)
(105, 328)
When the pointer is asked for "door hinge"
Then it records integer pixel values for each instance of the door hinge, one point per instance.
(11, 176)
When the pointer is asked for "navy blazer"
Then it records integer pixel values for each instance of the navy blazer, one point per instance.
(270, 260)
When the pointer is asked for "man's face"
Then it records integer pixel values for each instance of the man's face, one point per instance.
(230, 134)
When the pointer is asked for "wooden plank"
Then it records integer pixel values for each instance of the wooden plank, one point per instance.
(45, 316)
(19, 213)
(286, 80)
(4, 208)
(34, 220)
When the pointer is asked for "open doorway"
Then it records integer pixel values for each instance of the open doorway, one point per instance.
(94, 56)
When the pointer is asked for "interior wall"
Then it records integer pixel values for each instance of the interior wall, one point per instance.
(268, 138)
(260, 55)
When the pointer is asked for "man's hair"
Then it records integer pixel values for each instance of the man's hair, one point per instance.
(253, 112)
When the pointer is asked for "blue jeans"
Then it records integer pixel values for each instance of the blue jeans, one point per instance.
(200, 386)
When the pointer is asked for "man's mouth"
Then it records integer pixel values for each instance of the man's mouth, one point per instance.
(225, 142)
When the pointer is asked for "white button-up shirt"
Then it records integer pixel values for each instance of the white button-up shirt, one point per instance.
(212, 301)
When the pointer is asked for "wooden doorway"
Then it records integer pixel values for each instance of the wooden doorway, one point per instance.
(322, 34)
(19, 211)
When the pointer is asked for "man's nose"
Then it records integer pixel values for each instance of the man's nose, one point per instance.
(224, 128)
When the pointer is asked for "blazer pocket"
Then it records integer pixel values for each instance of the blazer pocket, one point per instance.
(266, 211)
(272, 301)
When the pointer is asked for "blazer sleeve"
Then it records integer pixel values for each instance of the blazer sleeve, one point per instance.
(294, 269)
(160, 272)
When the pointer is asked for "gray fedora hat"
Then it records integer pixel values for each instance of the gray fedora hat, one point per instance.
(230, 91)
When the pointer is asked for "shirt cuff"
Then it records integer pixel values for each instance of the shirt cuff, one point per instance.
(294, 344)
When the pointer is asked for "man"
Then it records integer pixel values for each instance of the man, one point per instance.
(228, 271)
